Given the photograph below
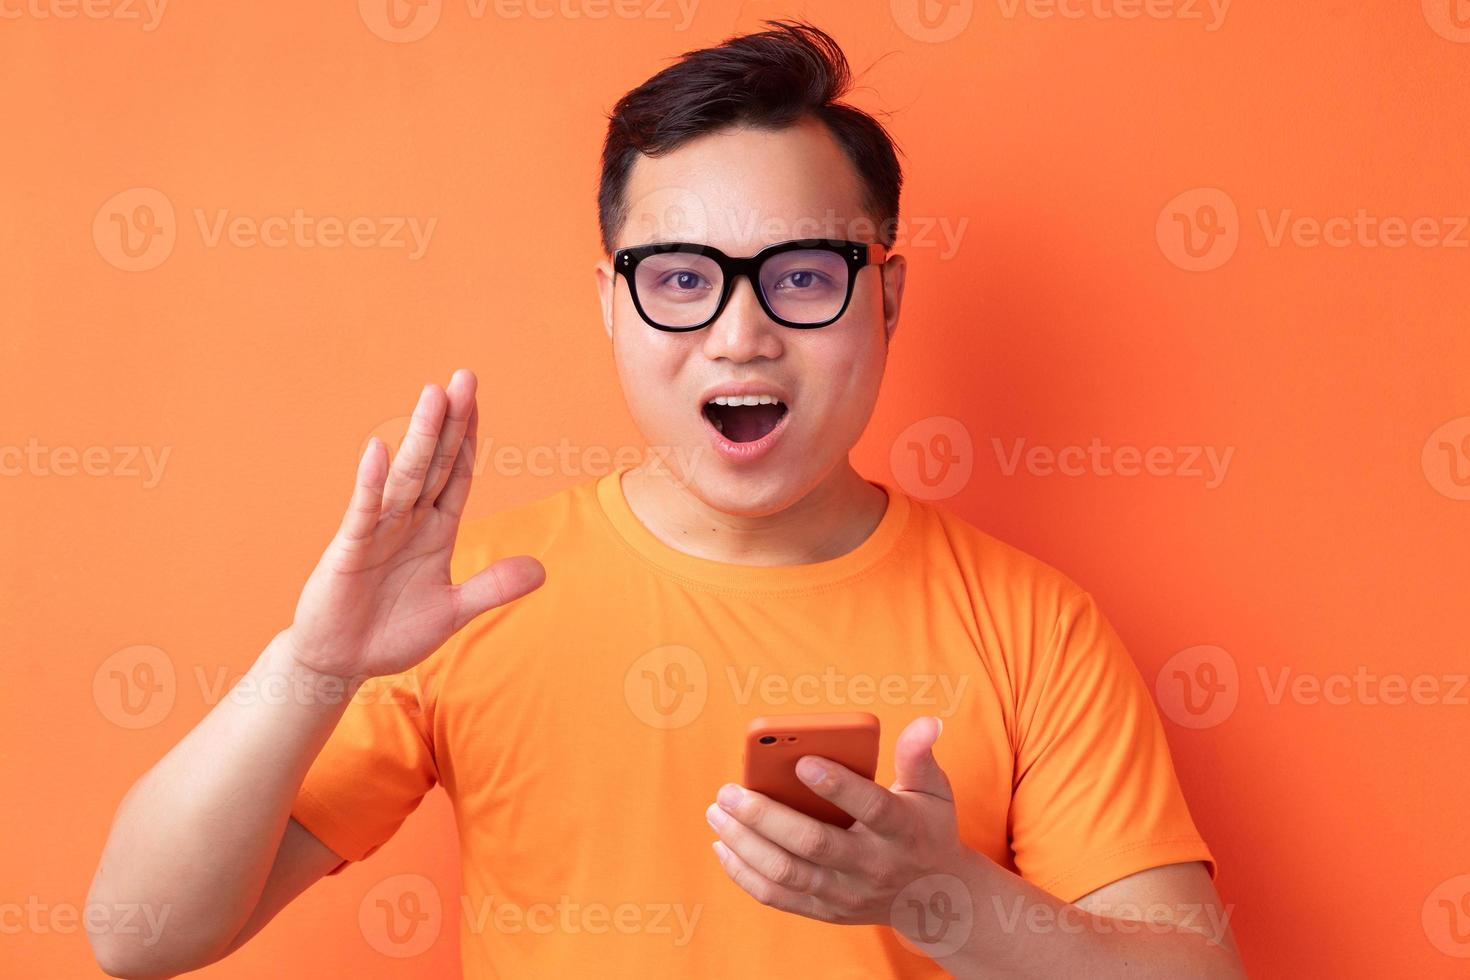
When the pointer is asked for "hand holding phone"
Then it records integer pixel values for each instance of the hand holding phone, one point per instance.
(773, 743)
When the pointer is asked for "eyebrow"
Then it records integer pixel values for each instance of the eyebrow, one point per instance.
(757, 251)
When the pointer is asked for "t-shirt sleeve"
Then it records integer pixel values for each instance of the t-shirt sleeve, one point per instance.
(373, 770)
(1096, 797)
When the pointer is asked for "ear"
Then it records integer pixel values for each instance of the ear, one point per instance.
(894, 269)
(605, 283)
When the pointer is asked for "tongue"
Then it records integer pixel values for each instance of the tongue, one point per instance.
(747, 423)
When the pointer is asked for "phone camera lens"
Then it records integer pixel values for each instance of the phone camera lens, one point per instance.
(768, 739)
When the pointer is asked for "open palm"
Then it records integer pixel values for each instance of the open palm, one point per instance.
(380, 600)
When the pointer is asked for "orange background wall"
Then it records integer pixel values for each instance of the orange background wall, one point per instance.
(1053, 150)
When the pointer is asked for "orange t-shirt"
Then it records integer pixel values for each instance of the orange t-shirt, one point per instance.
(581, 732)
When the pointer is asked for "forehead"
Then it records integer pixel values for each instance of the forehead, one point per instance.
(741, 188)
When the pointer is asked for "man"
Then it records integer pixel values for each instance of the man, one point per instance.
(584, 707)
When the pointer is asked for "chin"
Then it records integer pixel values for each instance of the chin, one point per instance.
(756, 492)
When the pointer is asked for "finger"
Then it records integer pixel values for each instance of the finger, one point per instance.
(766, 891)
(461, 394)
(775, 864)
(864, 800)
(914, 765)
(367, 494)
(406, 478)
(804, 836)
(505, 581)
(457, 491)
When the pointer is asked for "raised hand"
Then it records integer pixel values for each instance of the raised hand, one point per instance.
(380, 600)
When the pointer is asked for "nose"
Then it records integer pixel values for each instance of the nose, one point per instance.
(742, 332)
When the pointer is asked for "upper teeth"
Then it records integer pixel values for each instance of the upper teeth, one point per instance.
(745, 400)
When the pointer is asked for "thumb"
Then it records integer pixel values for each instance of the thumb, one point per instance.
(914, 765)
(504, 581)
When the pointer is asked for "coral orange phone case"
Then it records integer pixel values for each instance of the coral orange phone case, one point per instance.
(773, 744)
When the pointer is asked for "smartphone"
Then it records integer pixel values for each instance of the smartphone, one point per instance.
(773, 743)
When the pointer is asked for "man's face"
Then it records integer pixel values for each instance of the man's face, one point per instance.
(740, 189)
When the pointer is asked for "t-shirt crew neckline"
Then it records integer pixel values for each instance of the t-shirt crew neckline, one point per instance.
(763, 578)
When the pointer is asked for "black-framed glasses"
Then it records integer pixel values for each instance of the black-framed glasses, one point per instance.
(803, 283)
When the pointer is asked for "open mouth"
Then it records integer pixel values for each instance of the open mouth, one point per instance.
(744, 418)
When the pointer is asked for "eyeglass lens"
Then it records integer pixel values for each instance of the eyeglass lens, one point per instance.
(681, 289)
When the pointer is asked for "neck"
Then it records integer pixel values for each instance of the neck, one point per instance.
(831, 520)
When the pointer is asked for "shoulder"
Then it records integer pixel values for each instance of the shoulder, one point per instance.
(1016, 606)
(1025, 612)
(1002, 580)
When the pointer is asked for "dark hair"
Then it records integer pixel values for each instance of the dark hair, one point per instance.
(772, 79)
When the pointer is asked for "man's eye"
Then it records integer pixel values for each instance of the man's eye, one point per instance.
(801, 279)
(682, 280)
